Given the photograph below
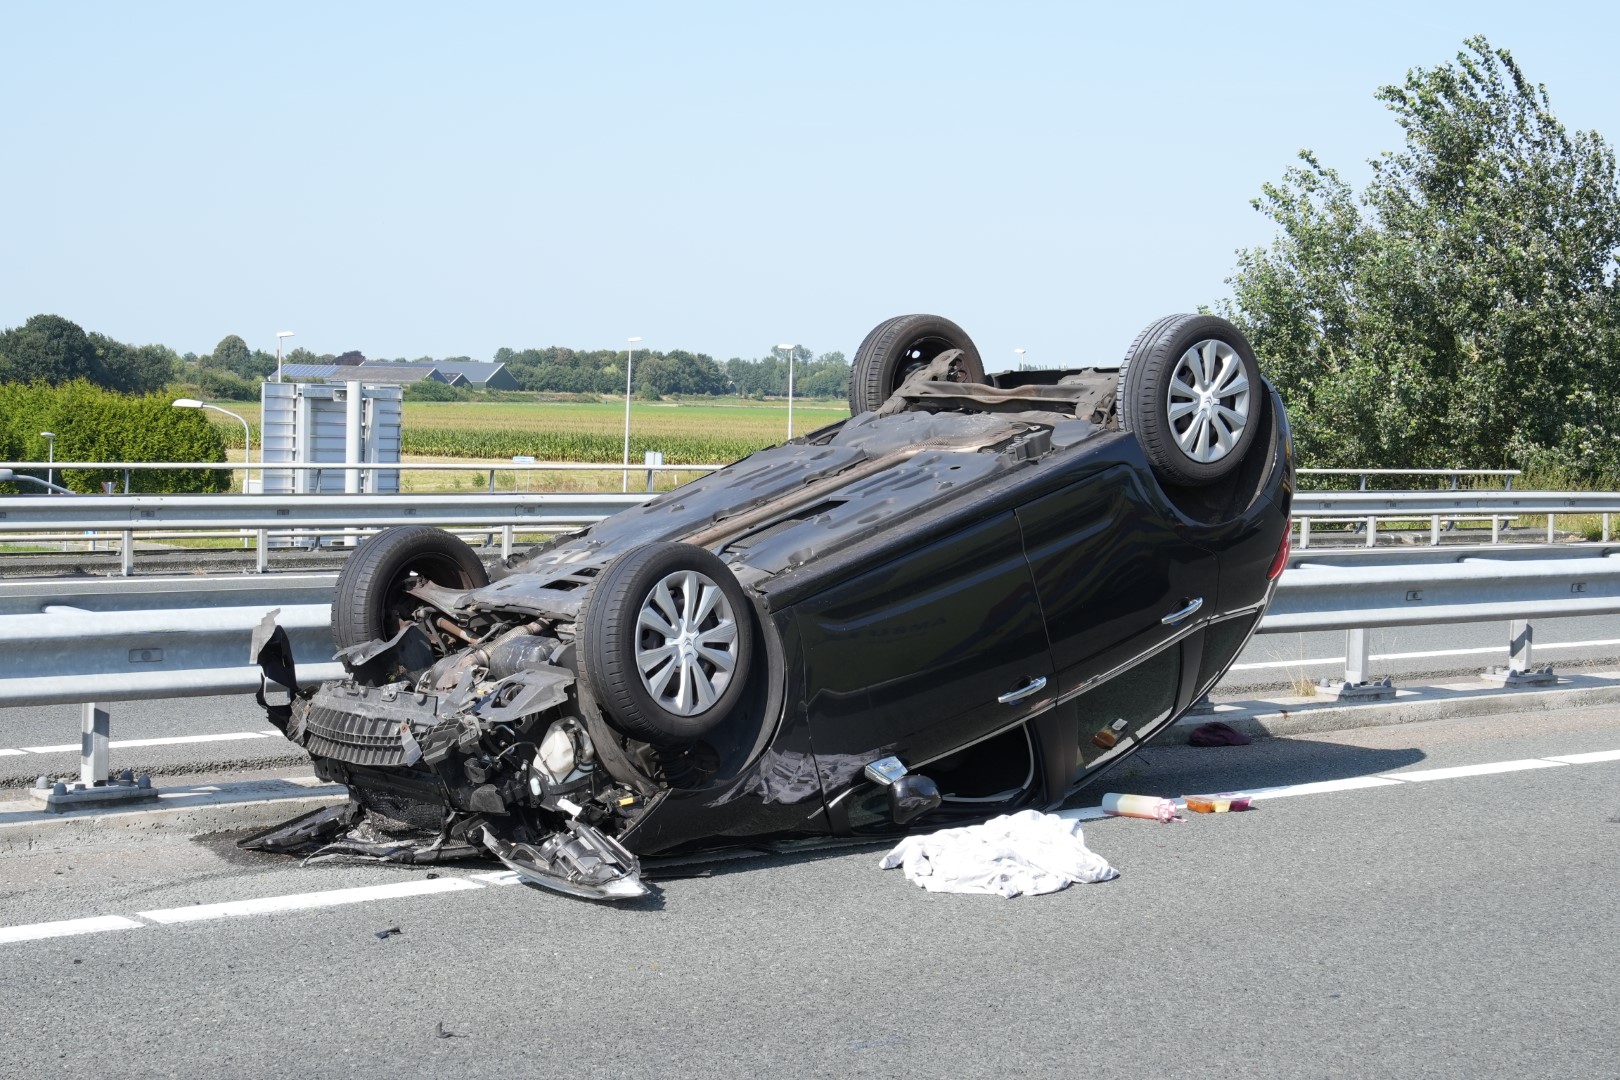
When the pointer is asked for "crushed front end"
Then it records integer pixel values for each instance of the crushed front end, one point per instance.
(484, 748)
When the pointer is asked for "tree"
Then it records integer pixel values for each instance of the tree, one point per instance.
(680, 372)
(231, 353)
(1464, 311)
(130, 369)
(47, 348)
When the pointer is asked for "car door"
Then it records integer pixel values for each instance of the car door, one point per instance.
(1116, 578)
(928, 652)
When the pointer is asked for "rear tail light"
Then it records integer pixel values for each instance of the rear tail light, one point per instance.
(1281, 560)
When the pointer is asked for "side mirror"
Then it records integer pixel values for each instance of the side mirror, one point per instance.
(910, 797)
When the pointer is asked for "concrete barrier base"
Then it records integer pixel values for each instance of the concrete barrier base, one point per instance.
(193, 808)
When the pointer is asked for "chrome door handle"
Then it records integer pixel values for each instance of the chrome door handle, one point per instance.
(1034, 686)
(1176, 616)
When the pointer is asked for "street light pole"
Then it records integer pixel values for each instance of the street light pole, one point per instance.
(247, 433)
(790, 348)
(629, 365)
(280, 335)
(50, 449)
(1020, 353)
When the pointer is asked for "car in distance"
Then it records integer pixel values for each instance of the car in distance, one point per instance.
(969, 598)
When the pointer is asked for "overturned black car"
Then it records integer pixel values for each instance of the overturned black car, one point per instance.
(971, 597)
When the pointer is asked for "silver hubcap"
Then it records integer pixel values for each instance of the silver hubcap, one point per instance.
(686, 643)
(1208, 400)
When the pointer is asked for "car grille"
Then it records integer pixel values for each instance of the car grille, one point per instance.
(357, 740)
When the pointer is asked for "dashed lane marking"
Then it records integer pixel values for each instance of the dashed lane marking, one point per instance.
(67, 928)
(471, 882)
(1587, 759)
(301, 901)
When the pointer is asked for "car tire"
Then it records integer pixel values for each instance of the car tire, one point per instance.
(370, 601)
(662, 622)
(897, 347)
(1190, 391)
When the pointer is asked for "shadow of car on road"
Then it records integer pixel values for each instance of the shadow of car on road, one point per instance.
(1172, 771)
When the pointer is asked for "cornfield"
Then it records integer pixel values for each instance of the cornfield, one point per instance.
(577, 446)
(687, 434)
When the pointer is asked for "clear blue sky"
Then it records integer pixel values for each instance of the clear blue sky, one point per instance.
(411, 179)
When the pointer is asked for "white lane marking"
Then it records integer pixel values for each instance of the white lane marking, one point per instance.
(1586, 759)
(1500, 650)
(1319, 787)
(168, 740)
(9, 753)
(1490, 767)
(300, 901)
(66, 928)
(499, 877)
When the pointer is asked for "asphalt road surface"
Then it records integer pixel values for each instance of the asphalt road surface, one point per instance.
(1455, 923)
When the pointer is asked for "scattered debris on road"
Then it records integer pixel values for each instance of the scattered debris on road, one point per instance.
(1011, 855)
(1216, 804)
(1217, 733)
(1149, 807)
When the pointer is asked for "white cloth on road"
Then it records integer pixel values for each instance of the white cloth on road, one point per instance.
(1026, 852)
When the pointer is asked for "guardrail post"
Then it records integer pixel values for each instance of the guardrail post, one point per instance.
(1372, 531)
(261, 552)
(652, 458)
(1434, 530)
(127, 552)
(95, 729)
(506, 541)
(1605, 528)
(1550, 528)
(1519, 671)
(95, 786)
(1496, 529)
(1304, 533)
(1357, 686)
(1357, 656)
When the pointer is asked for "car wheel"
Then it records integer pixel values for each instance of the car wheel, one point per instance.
(371, 601)
(898, 347)
(1189, 390)
(668, 642)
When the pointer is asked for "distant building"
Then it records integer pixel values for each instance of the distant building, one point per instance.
(308, 372)
(479, 376)
(377, 375)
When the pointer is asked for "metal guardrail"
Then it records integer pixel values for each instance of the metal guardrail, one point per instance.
(64, 655)
(299, 516)
(1367, 507)
(1315, 597)
(118, 640)
(155, 513)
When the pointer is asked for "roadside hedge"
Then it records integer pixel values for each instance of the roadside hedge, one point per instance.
(94, 424)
